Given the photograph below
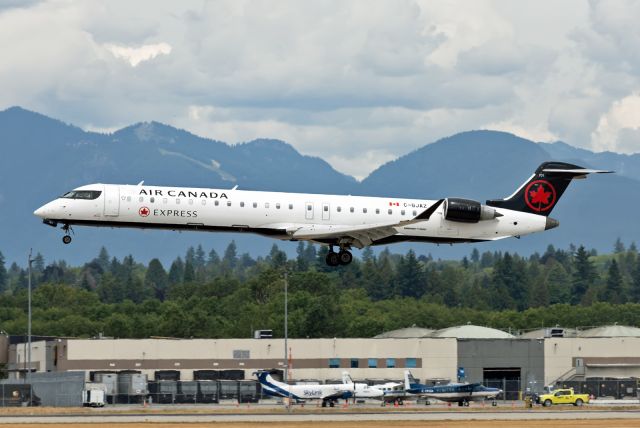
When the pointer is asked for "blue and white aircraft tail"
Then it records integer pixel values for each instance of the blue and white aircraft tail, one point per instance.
(329, 394)
(461, 393)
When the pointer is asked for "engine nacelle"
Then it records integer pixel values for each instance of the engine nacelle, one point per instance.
(468, 211)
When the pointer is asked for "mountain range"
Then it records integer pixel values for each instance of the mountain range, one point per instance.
(44, 157)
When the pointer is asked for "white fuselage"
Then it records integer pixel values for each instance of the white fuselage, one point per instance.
(276, 214)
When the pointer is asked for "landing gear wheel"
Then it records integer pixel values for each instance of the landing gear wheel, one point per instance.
(324, 403)
(345, 257)
(66, 239)
(331, 403)
(494, 403)
(332, 259)
(465, 403)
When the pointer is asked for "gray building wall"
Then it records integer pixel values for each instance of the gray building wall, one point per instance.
(475, 355)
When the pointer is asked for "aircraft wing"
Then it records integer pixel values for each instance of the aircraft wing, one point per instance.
(337, 394)
(361, 235)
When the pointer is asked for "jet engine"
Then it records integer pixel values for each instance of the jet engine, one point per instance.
(468, 211)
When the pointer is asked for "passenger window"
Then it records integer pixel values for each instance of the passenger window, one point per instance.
(278, 205)
(204, 202)
(402, 212)
(228, 203)
(128, 198)
(415, 213)
(351, 209)
(364, 210)
(140, 199)
(216, 203)
(339, 209)
(290, 206)
(190, 201)
(325, 208)
(178, 201)
(266, 204)
(164, 200)
(152, 199)
(309, 207)
(255, 205)
(241, 204)
(377, 210)
(390, 211)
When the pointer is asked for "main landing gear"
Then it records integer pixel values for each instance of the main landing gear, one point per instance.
(344, 257)
(67, 237)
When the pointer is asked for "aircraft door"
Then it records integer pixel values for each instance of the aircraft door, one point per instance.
(308, 210)
(111, 200)
(326, 211)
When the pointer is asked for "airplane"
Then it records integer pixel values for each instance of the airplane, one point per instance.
(329, 394)
(338, 221)
(461, 393)
(387, 392)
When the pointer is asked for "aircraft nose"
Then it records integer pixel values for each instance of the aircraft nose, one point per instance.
(40, 212)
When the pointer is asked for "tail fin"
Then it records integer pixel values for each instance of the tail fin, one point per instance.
(409, 380)
(541, 192)
(346, 378)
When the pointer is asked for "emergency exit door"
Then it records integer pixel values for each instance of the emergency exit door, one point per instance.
(308, 210)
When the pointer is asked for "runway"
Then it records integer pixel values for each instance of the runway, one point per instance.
(626, 417)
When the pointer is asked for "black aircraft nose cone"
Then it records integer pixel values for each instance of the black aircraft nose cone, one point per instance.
(551, 223)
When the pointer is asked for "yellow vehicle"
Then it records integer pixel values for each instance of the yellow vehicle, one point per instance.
(563, 396)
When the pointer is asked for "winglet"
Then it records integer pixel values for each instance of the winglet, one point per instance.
(424, 215)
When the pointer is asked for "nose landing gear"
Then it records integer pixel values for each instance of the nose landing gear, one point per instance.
(66, 238)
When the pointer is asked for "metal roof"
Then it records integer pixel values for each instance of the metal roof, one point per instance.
(611, 331)
(470, 331)
(405, 332)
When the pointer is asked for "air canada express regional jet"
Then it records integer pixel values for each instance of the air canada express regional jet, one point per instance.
(334, 220)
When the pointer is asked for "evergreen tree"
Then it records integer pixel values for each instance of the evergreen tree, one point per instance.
(583, 275)
(475, 255)
(410, 281)
(230, 258)
(558, 283)
(634, 290)
(156, 279)
(37, 264)
(618, 247)
(176, 272)
(277, 258)
(189, 272)
(613, 292)
(103, 259)
(301, 262)
(199, 259)
(3, 274)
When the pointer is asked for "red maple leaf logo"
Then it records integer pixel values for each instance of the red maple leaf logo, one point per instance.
(144, 211)
(539, 196)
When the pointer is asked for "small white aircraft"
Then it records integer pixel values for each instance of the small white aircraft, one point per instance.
(329, 394)
(361, 390)
(333, 220)
(389, 391)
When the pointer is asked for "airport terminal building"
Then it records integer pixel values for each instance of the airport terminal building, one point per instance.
(496, 358)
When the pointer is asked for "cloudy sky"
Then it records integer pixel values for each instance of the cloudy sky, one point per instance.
(357, 83)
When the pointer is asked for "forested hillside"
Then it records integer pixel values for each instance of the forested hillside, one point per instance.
(206, 294)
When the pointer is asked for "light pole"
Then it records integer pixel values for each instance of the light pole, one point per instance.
(286, 328)
(28, 374)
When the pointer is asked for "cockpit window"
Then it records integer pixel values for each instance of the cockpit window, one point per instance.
(82, 194)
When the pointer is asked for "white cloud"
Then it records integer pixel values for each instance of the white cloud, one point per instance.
(619, 128)
(356, 83)
(135, 56)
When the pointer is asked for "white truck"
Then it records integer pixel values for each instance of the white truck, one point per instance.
(94, 395)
